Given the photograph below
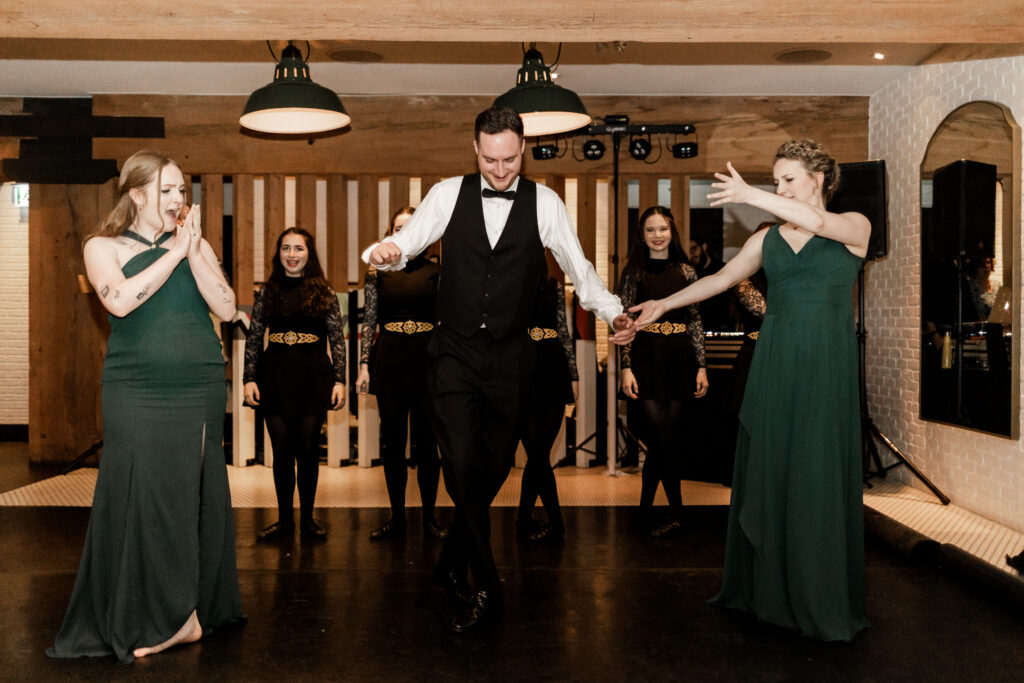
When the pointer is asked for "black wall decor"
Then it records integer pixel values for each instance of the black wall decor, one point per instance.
(58, 136)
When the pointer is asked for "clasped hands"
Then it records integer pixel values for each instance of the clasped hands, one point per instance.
(189, 235)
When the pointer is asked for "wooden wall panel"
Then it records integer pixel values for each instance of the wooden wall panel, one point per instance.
(432, 135)
(67, 328)
(305, 202)
(586, 215)
(369, 216)
(427, 182)
(273, 214)
(336, 249)
(242, 239)
(681, 208)
(213, 212)
(648, 192)
(398, 193)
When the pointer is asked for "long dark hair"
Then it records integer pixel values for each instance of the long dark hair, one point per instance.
(639, 253)
(317, 291)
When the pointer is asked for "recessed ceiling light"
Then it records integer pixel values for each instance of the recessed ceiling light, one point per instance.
(879, 56)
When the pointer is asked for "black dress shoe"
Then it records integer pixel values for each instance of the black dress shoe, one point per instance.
(389, 529)
(484, 609)
(311, 529)
(456, 587)
(668, 529)
(435, 530)
(526, 529)
(1017, 562)
(275, 531)
(549, 533)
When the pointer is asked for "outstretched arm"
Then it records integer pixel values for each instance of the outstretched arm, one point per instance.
(740, 267)
(851, 228)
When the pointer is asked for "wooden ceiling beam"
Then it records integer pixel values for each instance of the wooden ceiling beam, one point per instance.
(713, 21)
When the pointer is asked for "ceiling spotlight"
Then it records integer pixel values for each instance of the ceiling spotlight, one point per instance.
(640, 148)
(684, 150)
(879, 56)
(543, 152)
(593, 150)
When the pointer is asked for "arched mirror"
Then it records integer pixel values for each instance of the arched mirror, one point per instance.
(970, 270)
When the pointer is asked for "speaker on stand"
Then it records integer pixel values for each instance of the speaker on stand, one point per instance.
(862, 188)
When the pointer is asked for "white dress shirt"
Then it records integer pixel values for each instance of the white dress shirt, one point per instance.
(432, 216)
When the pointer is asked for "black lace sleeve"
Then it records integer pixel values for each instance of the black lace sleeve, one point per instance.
(254, 338)
(627, 294)
(369, 315)
(695, 328)
(336, 337)
(564, 336)
(750, 298)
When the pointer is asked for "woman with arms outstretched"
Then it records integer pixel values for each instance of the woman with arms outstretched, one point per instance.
(795, 546)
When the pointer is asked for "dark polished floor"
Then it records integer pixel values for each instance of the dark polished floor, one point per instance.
(608, 604)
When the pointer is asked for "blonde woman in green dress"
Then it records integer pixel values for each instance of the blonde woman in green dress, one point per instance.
(795, 544)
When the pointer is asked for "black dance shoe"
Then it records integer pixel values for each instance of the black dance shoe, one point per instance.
(549, 533)
(275, 531)
(668, 529)
(1017, 562)
(456, 587)
(527, 528)
(312, 530)
(389, 529)
(434, 530)
(484, 609)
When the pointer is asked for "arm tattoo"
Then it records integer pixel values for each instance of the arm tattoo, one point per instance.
(117, 293)
(141, 295)
(222, 288)
(105, 291)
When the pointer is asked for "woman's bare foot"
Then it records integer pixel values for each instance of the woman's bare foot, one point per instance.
(189, 633)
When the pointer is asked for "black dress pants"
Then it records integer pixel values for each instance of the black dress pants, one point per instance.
(478, 387)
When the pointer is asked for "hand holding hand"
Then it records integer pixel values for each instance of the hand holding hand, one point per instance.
(338, 397)
(252, 393)
(734, 190)
(649, 311)
(624, 329)
(385, 253)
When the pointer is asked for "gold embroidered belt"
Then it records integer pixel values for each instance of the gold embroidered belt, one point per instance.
(538, 333)
(665, 328)
(409, 327)
(753, 335)
(290, 338)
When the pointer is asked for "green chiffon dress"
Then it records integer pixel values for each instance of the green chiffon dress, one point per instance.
(161, 540)
(795, 545)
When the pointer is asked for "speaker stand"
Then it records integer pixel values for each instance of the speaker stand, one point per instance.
(868, 431)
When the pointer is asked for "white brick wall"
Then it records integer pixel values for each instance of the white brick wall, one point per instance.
(982, 473)
(13, 310)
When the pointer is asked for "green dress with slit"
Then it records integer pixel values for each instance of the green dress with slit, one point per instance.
(161, 540)
(795, 545)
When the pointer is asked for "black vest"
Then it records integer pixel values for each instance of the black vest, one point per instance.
(494, 287)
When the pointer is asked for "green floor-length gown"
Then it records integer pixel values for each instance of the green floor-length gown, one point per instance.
(795, 547)
(161, 540)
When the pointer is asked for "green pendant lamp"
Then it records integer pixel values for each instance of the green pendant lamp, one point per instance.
(546, 108)
(293, 104)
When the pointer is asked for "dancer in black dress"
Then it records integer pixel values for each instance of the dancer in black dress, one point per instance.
(394, 367)
(293, 380)
(554, 385)
(664, 360)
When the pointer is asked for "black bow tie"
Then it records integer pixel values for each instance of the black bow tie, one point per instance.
(507, 194)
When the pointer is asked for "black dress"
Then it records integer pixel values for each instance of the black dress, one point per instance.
(294, 374)
(402, 304)
(665, 356)
(750, 295)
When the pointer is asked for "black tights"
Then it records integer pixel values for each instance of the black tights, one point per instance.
(543, 420)
(662, 433)
(296, 446)
(396, 412)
